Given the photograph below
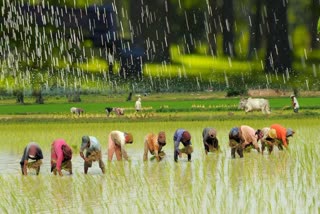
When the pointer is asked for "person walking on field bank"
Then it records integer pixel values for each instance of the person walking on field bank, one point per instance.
(282, 135)
(268, 139)
(61, 155)
(138, 105)
(210, 141)
(117, 141)
(31, 151)
(154, 143)
(183, 136)
(242, 137)
(93, 153)
(294, 103)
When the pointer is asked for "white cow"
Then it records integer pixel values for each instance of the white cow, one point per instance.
(252, 104)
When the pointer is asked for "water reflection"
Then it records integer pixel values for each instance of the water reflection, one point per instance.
(208, 183)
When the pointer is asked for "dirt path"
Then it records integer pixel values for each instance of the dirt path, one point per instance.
(280, 93)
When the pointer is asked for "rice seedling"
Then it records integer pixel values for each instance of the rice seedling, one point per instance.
(283, 182)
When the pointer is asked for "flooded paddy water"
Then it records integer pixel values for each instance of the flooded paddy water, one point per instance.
(283, 182)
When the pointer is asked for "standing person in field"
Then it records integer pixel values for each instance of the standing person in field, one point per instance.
(294, 103)
(33, 152)
(268, 139)
(282, 135)
(138, 105)
(210, 141)
(183, 136)
(242, 137)
(93, 153)
(61, 155)
(154, 144)
(117, 141)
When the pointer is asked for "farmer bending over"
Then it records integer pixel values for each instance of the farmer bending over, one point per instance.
(184, 137)
(242, 137)
(31, 151)
(154, 144)
(268, 139)
(235, 142)
(210, 140)
(117, 141)
(93, 153)
(282, 135)
(61, 155)
(250, 137)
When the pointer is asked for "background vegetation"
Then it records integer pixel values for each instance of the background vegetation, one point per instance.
(161, 46)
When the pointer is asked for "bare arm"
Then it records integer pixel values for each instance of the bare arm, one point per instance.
(124, 152)
(145, 154)
(156, 151)
(25, 164)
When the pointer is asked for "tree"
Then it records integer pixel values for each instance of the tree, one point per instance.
(212, 25)
(228, 28)
(278, 54)
(150, 28)
(18, 93)
(188, 23)
(255, 27)
(194, 28)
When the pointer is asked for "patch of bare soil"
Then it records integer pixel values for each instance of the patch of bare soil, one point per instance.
(279, 93)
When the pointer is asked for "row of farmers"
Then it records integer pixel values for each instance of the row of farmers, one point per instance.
(240, 138)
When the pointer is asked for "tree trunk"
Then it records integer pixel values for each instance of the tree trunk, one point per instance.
(193, 29)
(278, 55)
(74, 96)
(137, 26)
(228, 28)
(255, 28)
(213, 24)
(38, 95)
(150, 28)
(19, 96)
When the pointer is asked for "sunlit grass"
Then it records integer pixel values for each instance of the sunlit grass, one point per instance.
(207, 67)
(95, 65)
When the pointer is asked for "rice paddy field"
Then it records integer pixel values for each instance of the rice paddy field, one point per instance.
(284, 182)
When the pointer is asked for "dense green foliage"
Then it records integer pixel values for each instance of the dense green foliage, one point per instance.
(82, 66)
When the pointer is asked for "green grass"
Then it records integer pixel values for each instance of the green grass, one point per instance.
(185, 102)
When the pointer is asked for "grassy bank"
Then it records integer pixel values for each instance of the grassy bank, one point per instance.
(152, 103)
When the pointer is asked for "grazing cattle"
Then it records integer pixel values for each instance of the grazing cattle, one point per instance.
(77, 111)
(117, 111)
(252, 104)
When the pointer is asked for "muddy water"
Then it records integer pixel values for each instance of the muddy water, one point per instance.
(208, 183)
(9, 161)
